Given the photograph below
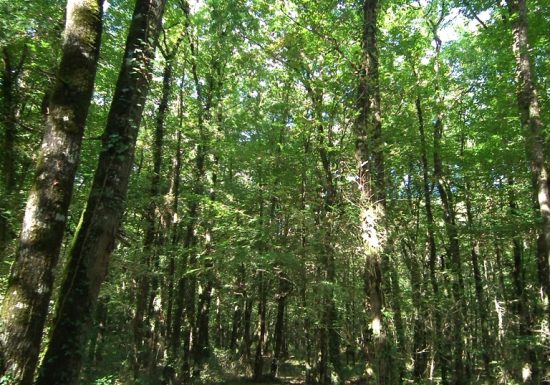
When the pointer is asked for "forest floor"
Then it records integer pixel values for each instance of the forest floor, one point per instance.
(223, 371)
(281, 381)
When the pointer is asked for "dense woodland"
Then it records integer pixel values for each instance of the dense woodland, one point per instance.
(309, 192)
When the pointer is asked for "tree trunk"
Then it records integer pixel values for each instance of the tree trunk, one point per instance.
(369, 156)
(25, 306)
(419, 343)
(247, 317)
(239, 293)
(95, 350)
(280, 324)
(529, 111)
(440, 356)
(457, 281)
(521, 306)
(329, 338)
(202, 344)
(399, 364)
(9, 110)
(262, 327)
(174, 193)
(10, 82)
(459, 373)
(95, 238)
(487, 345)
(152, 237)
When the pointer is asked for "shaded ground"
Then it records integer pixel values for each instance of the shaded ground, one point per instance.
(247, 381)
(282, 381)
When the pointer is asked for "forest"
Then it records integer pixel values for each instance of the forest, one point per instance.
(299, 192)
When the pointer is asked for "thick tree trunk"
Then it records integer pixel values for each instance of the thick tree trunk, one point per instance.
(531, 122)
(236, 325)
(95, 238)
(178, 318)
(25, 306)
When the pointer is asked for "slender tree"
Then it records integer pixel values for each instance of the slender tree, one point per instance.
(369, 156)
(153, 236)
(10, 98)
(531, 122)
(439, 354)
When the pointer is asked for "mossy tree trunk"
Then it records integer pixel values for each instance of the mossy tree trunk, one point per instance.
(95, 238)
(25, 306)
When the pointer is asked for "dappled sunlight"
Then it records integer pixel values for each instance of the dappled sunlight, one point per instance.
(277, 192)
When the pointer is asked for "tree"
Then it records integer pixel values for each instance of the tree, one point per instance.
(25, 306)
(340, 189)
(370, 159)
(95, 238)
(531, 122)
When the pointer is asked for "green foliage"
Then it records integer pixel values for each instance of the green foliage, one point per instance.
(108, 380)
(6, 380)
(259, 90)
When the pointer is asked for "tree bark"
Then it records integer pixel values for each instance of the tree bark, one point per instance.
(25, 306)
(531, 122)
(95, 238)
(369, 156)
